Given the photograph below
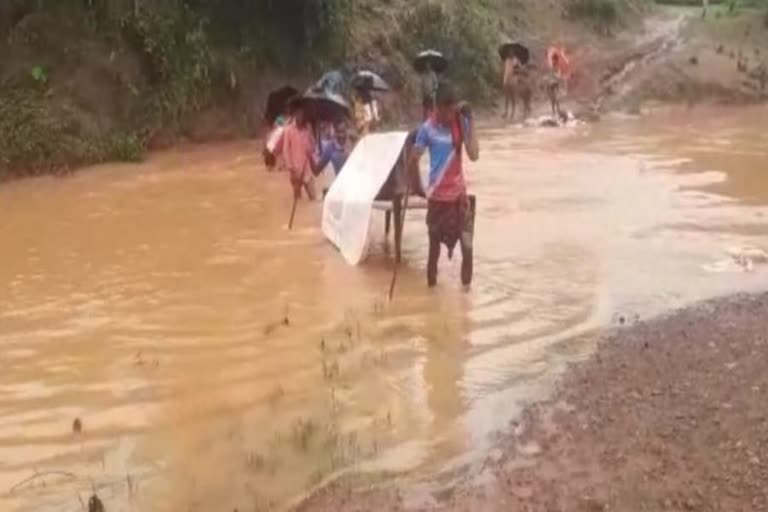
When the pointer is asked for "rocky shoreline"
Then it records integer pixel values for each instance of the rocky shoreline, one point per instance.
(669, 414)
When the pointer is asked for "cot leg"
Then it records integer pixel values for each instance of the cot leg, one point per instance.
(397, 208)
(387, 222)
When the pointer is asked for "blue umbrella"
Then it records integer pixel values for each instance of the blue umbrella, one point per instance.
(332, 81)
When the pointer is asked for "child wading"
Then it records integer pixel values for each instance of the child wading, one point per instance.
(298, 147)
(450, 211)
(557, 81)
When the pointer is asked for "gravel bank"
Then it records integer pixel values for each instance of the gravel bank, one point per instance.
(669, 414)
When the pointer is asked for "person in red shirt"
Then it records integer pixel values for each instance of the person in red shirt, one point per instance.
(298, 147)
(449, 131)
(560, 71)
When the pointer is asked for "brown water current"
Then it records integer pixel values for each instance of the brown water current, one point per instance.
(218, 361)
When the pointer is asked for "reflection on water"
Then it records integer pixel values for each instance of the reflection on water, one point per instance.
(218, 361)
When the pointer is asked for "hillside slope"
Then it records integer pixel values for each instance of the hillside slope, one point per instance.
(84, 81)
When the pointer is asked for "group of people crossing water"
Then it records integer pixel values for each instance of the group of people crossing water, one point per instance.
(314, 132)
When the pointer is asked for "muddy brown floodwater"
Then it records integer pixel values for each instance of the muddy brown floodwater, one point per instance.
(216, 360)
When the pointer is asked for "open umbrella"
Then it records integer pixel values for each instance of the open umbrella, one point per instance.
(431, 58)
(521, 52)
(277, 102)
(332, 81)
(324, 105)
(368, 80)
(321, 105)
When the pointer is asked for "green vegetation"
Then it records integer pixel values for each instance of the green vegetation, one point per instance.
(603, 14)
(730, 5)
(435, 25)
(85, 81)
(690, 3)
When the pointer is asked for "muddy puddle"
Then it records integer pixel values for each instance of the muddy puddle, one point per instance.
(217, 361)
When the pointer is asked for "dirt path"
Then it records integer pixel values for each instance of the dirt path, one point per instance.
(662, 35)
(670, 414)
(684, 58)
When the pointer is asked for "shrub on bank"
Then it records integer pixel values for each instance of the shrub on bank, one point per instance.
(472, 54)
(602, 14)
(38, 136)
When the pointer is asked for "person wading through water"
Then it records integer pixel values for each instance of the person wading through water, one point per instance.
(516, 84)
(450, 211)
(429, 84)
(366, 112)
(560, 69)
(334, 149)
(298, 148)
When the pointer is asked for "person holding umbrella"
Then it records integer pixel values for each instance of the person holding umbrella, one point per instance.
(366, 107)
(557, 80)
(429, 64)
(316, 106)
(275, 119)
(298, 147)
(334, 149)
(515, 81)
(448, 132)
(429, 83)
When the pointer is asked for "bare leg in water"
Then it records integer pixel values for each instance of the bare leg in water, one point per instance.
(467, 255)
(466, 241)
(433, 259)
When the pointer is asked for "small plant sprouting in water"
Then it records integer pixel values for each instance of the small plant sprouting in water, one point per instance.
(283, 322)
(256, 461)
(39, 75)
(330, 371)
(95, 504)
(303, 432)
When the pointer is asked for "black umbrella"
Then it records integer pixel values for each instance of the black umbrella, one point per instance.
(368, 80)
(323, 105)
(277, 102)
(508, 50)
(432, 58)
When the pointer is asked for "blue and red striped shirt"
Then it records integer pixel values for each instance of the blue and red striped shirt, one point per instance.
(446, 173)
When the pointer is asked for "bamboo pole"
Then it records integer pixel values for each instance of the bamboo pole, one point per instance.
(399, 243)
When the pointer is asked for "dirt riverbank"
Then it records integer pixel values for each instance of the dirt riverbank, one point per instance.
(669, 414)
(689, 59)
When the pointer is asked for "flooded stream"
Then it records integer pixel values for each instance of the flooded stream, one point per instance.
(218, 361)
